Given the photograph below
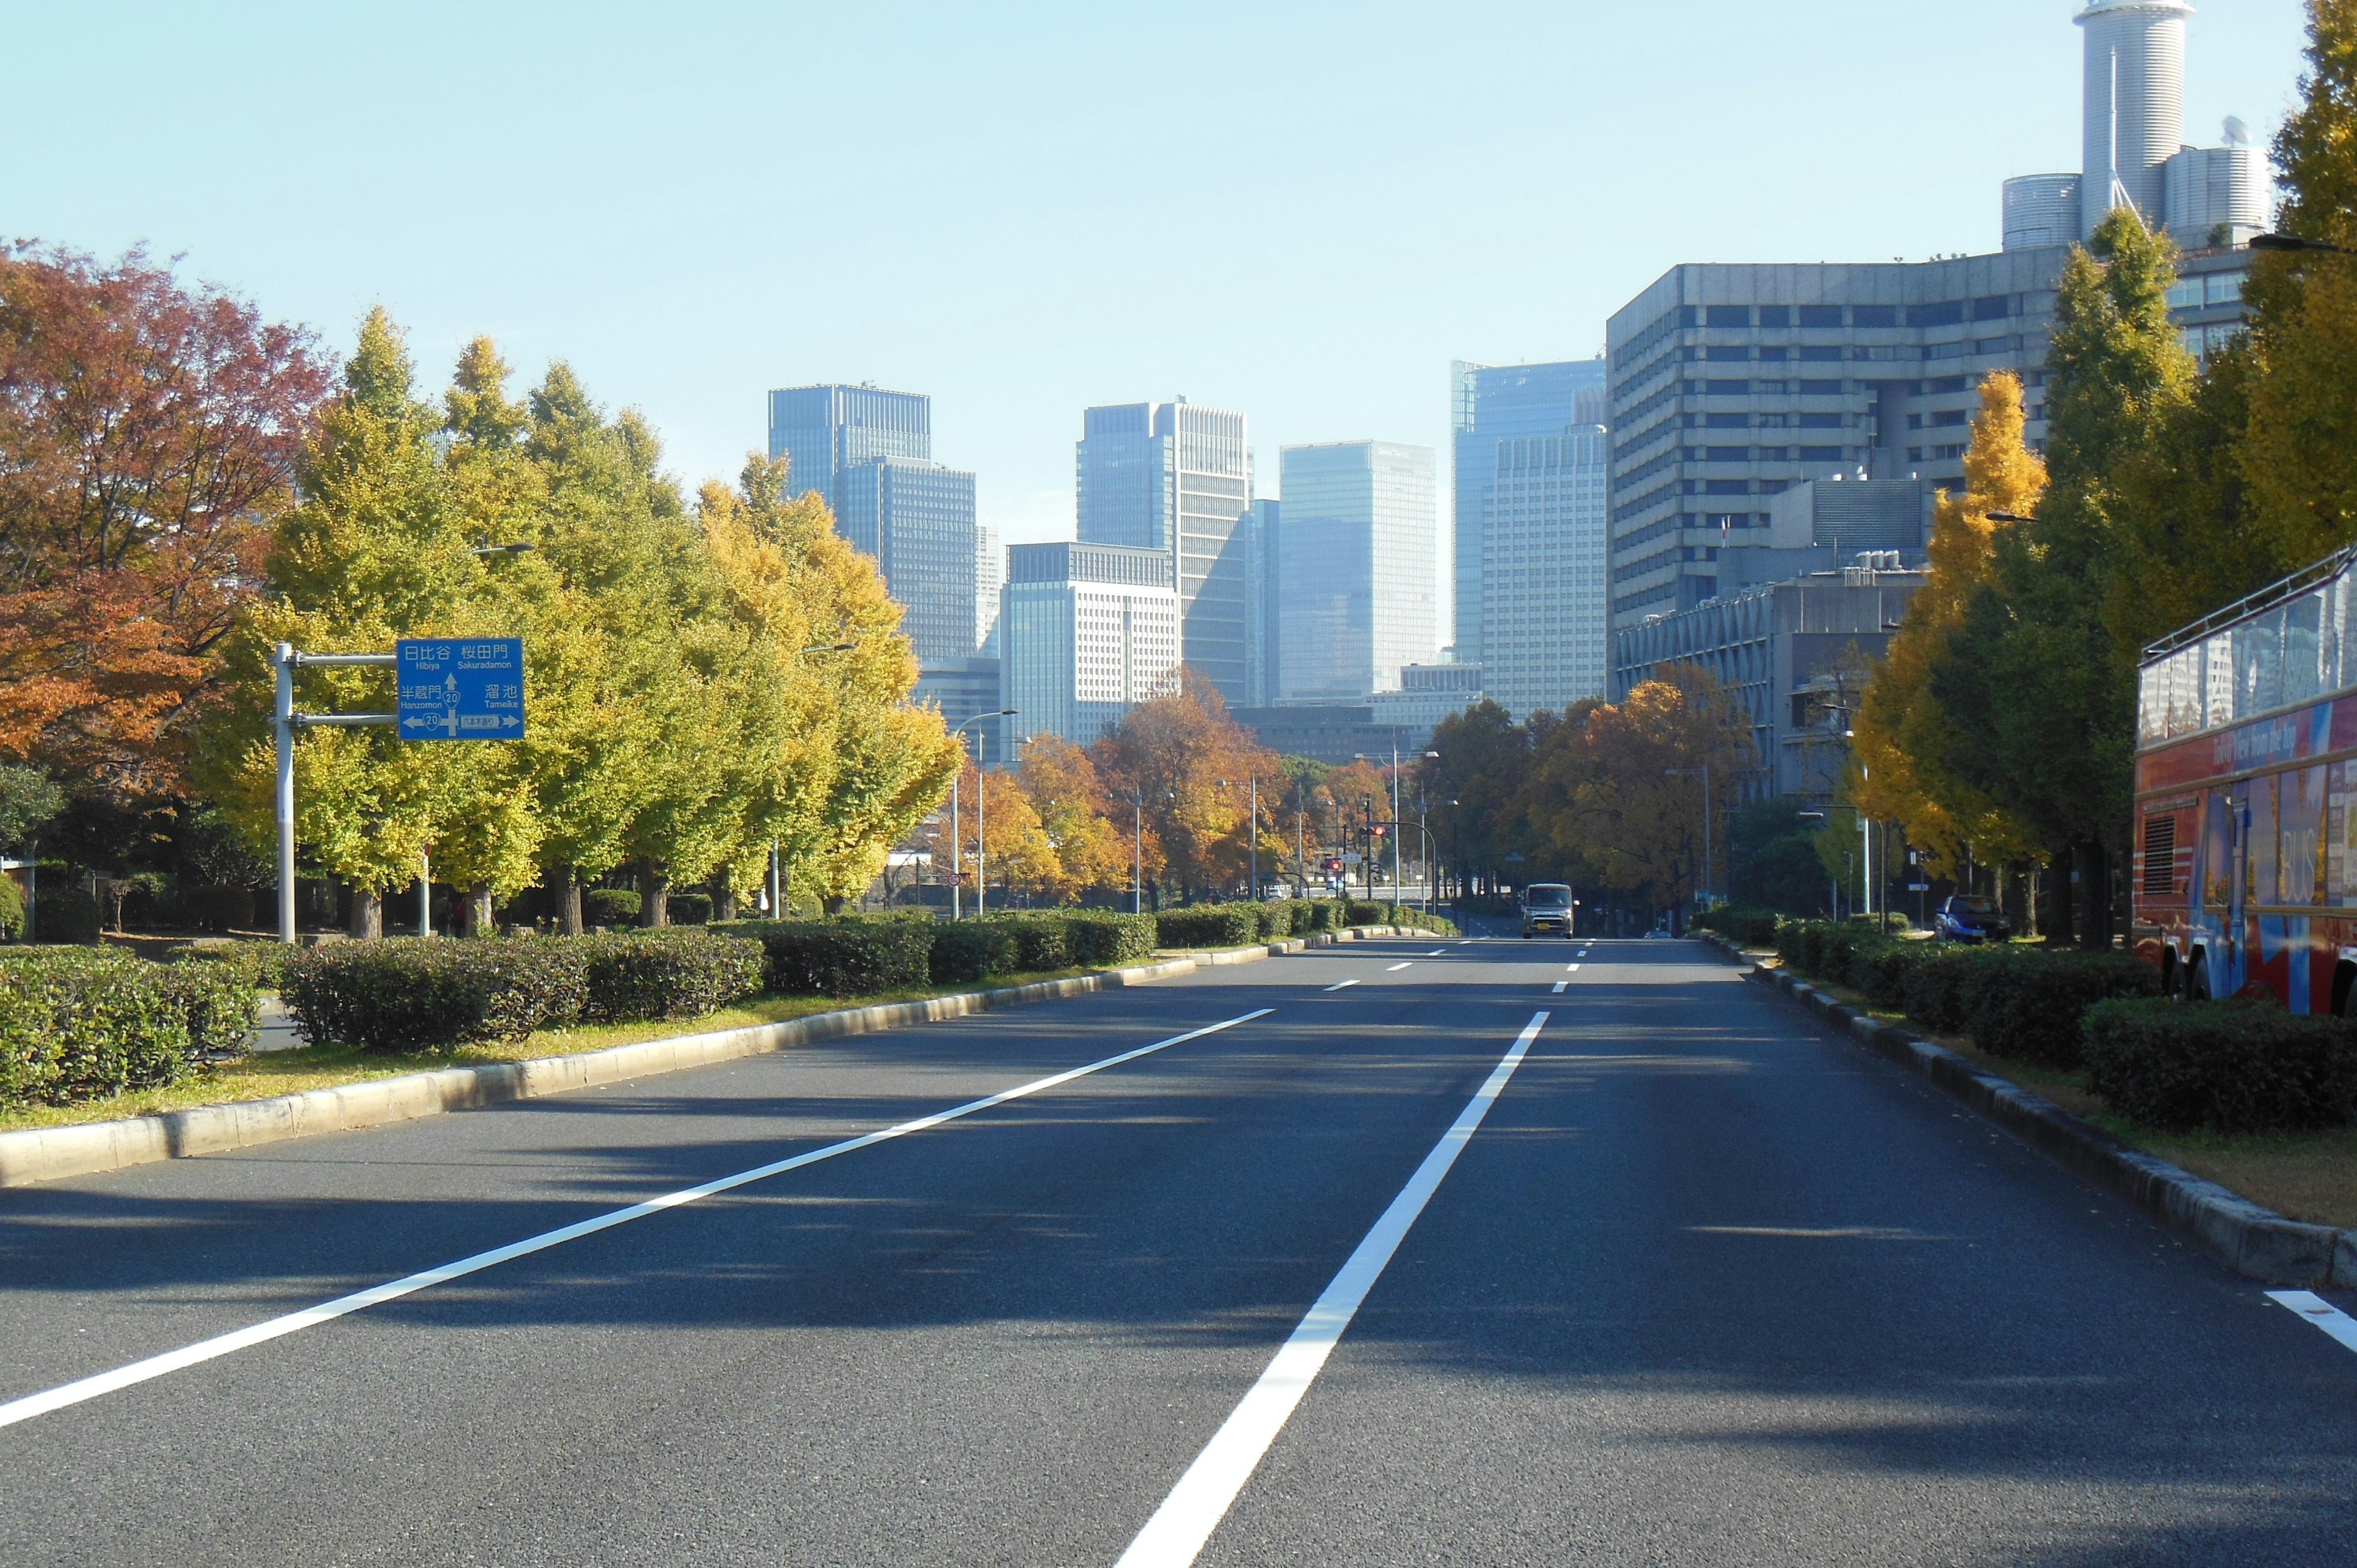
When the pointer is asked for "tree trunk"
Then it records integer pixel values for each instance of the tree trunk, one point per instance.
(478, 910)
(724, 894)
(2062, 897)
(2013, 894)
(2094, 896)
(368, 915)
(654, 895)
(832, 904)
(568, 901)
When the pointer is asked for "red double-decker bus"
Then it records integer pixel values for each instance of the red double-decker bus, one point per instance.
(2245, 876)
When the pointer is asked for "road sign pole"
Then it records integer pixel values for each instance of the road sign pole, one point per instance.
(283, 722)
(425, 894)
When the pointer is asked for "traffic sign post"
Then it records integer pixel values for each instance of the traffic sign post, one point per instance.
(452, 688)
(458, 688)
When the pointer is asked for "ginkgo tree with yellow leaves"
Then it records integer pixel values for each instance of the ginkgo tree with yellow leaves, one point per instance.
(705, 685)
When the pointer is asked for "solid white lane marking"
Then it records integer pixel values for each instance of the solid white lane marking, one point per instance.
(90, 1388)
(1347, 982)
(1559, 986)
(1395, 968)
(2321, 1312)
(1177, 1532)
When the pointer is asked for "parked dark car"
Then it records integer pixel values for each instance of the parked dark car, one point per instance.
(1969, 918)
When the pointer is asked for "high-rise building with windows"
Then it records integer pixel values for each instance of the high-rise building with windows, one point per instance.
(828, 430)
(1262, 625)
(1357, 569)
(1177, 477)
(1086, 631)
(1733, 383)
(1487, 404)
(989, 577)
(1543, 565)
(916, 517)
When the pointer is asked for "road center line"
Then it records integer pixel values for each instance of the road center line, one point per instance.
(1177, 1532)
(1395, 968)
(1342, 986)
(203, 1350)
(2321, 1312)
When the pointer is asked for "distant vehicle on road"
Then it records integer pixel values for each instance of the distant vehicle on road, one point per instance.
(1547, 909)
(1970, 917)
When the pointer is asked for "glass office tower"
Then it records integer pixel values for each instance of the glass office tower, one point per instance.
(1176, 477)
(915, 518)
(1488, 404)
(1357, 569)
(827, 430)
(1543, 570)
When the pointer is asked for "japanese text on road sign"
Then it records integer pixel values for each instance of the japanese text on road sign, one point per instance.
(461, 688)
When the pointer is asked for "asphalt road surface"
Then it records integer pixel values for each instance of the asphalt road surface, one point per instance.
(1675, 1277)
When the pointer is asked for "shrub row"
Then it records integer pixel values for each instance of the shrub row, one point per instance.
(1742, 924)
(2023, 1002)
(863, 956)
(2229, 1067)
(1238, 924)
(86, 1023)
(408, 994)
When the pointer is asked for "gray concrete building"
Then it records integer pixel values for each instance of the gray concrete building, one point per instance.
(1086, 631)
(1792, 653)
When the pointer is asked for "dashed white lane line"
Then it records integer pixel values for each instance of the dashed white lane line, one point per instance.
(1395, 968)
(1436, 952)
(1573, 967)
(1343, 986)
(90, 1388)
(2321, 1312)
(1559, 986)
(1175, 1534)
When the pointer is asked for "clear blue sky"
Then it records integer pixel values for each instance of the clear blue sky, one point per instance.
(1304, 211)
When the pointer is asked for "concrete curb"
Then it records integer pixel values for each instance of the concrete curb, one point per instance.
(46, 1154)
(2256, 1242)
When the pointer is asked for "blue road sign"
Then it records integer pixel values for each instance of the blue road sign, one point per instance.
(461, 688)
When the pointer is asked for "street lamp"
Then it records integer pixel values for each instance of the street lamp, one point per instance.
(1708, 863)
(501, 550)
(981, 864)
(2010, 517)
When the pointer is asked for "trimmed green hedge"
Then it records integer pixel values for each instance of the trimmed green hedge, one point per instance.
(262, 966)
(1210, 925)
(968, 950)
(2019, 1002)
(80, 1023)
(611, 907)
(2031, 1007)
(420, 994)
(1742, 924)
(1107, 939)
(2229, 1066)
(644, 976)
(840, 958)
(65, 915)
(1043, 941)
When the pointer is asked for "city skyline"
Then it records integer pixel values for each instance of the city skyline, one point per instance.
(1010, 341)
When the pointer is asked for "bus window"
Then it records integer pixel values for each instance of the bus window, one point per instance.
(2259, 837)
(2303, 835)
(2218, 854)
(2344, 834)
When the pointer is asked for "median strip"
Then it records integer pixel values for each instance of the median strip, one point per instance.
(90, 1388)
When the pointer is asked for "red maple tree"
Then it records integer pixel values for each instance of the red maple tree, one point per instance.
(148, 436)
